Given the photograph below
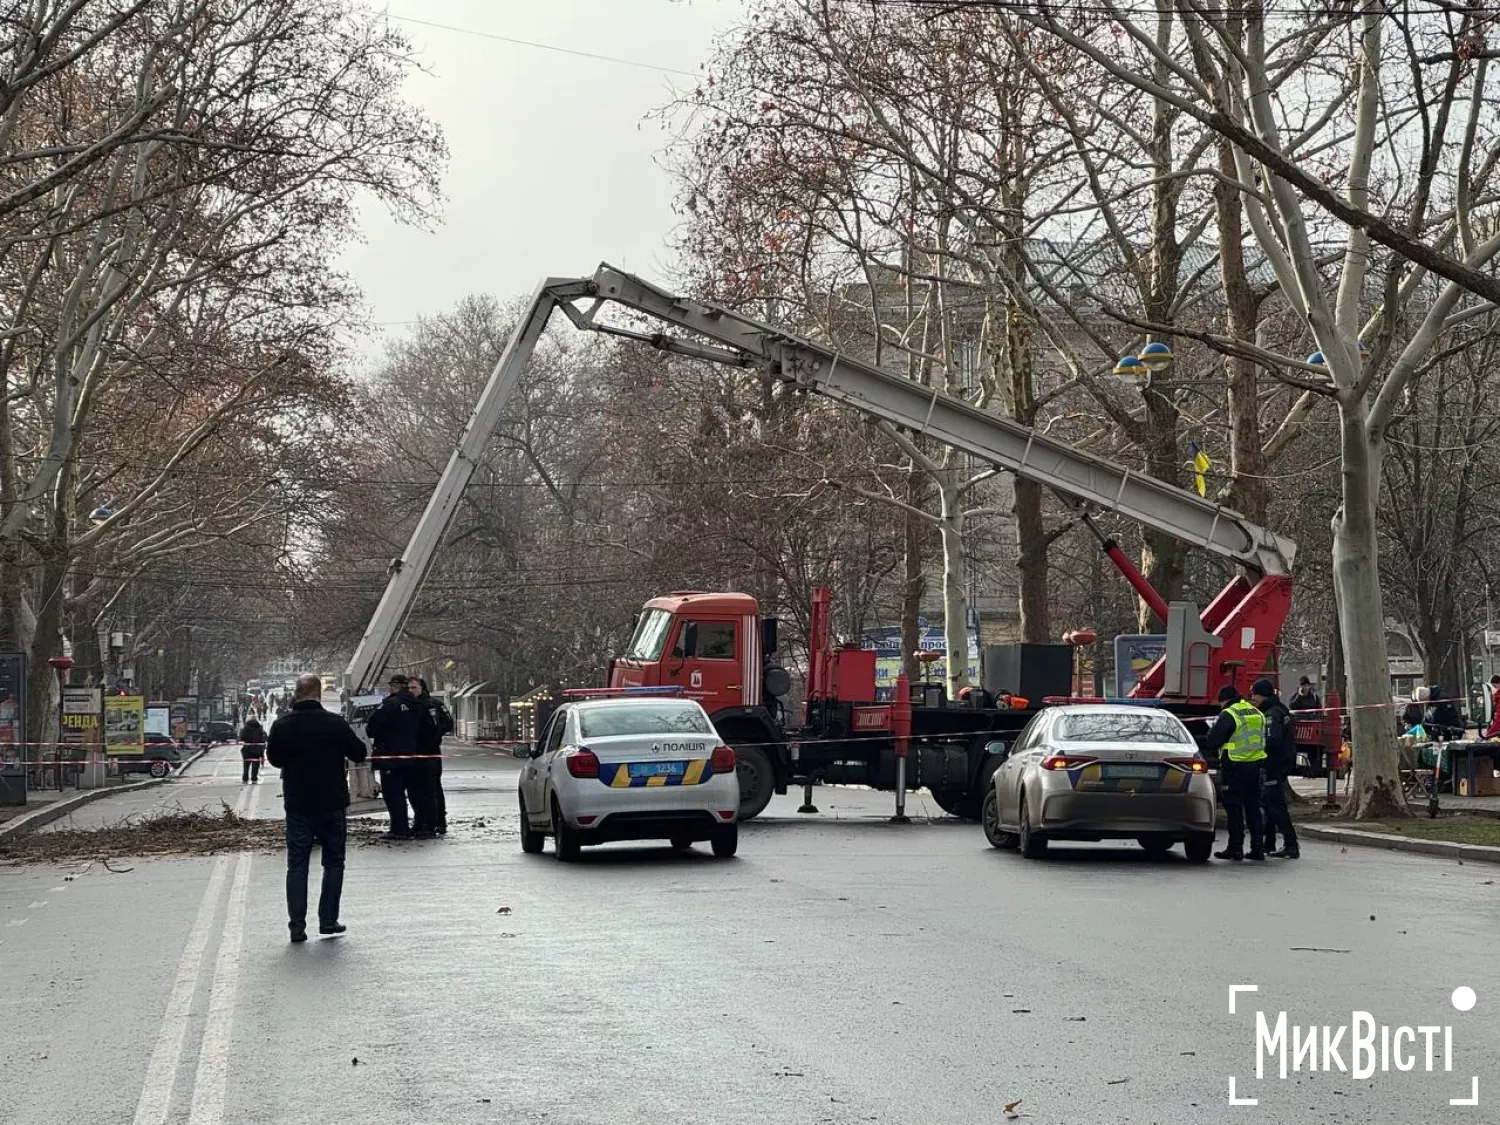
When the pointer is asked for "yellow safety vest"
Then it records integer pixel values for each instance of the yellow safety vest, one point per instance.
(1248, 743)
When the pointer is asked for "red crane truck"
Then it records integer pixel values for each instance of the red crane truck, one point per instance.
(717, 647)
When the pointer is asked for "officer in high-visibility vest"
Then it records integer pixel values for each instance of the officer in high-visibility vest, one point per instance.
(1239, 737)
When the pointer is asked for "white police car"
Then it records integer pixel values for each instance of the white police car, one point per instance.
(622, 766)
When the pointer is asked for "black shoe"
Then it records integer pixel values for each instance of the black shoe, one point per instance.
(1258, 857)
(442, 830)
(425, 834)
(1234, 857)
(299, 933)
(1287, 853)
(331, 929)
(395, 835)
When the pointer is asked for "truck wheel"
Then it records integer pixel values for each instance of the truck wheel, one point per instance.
(949, 800)
(997, 836)
(971, 803)
(757, 780)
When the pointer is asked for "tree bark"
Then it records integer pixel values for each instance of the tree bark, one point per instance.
(955, 566)
(1356, 573)
(1031, 562)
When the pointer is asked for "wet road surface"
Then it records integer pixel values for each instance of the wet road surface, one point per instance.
(840, 970)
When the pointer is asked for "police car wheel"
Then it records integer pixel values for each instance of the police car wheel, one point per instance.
(531, 839)
(1156, 845)
(726, 840)
(681, 843)
(1033, 845)
(1199, 848)
(997, 836)
(564, 839)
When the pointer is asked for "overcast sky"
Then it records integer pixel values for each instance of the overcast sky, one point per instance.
(551, 159)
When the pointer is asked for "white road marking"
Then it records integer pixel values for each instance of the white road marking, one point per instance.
(37, 905)
(161, 1070)
(213, 1055)
(16, 922)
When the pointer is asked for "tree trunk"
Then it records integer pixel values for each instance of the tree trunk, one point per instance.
(914, 583)
(1031, 562)
(42, 695)
(1248, 489)
(1356, 573)
(955, 599)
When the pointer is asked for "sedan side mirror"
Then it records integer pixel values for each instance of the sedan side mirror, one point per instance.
(1000, 748)
(521, 752)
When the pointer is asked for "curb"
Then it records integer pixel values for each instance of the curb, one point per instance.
(56, 810)
(1443, 849)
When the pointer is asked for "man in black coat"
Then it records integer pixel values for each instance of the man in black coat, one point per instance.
(252, 750)
(436, 722)
(1281, 760)
(310, 746)
(394, 729)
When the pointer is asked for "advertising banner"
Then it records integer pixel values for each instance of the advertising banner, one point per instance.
(12, 706)
(1135, 653)
(179, 729)
(158, 719)
(124, 726)
(82, 720)
(887, 646)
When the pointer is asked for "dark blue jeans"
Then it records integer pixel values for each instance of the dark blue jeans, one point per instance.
(329, 832)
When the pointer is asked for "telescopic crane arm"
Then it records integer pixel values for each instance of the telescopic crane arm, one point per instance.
(704, 331)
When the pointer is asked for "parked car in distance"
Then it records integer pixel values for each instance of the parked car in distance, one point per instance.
(217, 730)
(163, 755)
(1103, 772)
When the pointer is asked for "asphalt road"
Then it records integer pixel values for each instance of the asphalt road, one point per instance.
(840, 970)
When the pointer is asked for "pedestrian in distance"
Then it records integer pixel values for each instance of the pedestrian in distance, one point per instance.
(1238, 737)
(394, 728)
(1306, 697)
(1281, 760)
(252, 750)
(1443, 720)
(310, 747)
(436, 722)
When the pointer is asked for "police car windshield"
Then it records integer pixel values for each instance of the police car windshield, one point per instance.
(1113, 726)
(642, 718)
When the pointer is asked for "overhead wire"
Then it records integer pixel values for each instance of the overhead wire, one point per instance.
(514, 41)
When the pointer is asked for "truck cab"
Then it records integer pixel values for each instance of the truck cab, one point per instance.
(709, 645)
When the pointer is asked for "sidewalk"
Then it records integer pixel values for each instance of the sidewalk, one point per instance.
(1315, 788)
(43, 806)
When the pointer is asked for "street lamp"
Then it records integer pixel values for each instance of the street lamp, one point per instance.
(1157, 356)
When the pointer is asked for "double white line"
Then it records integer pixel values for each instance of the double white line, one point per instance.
(213, 1054)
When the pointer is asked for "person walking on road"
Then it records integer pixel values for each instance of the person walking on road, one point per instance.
(394, 729)
(252, 750)
(436, 722)
(310, 747)
(1306, 698)
(1281, 760)
(1238, 736)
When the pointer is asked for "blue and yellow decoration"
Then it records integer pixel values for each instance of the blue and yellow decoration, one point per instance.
(1201, 465)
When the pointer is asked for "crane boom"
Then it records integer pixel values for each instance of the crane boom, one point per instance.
(408, 572)
(708, 332)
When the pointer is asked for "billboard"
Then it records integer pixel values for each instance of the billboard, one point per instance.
(1135, 653)
(887, 646)
(158, 718)
(12, 706)
(82, 720)
(124, 726)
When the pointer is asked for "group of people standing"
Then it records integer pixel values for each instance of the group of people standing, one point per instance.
(407, 732)
(1256, 741)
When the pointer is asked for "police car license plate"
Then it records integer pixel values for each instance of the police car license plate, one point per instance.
(1143, 772)
(657, 769)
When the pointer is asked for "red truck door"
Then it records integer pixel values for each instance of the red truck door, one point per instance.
(704, 658)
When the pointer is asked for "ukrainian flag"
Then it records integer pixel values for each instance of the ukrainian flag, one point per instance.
(1201, 465)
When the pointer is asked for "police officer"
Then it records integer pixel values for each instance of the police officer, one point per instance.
(436, 722)
(1238, 736)
(1281, 760)
(394, 729)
